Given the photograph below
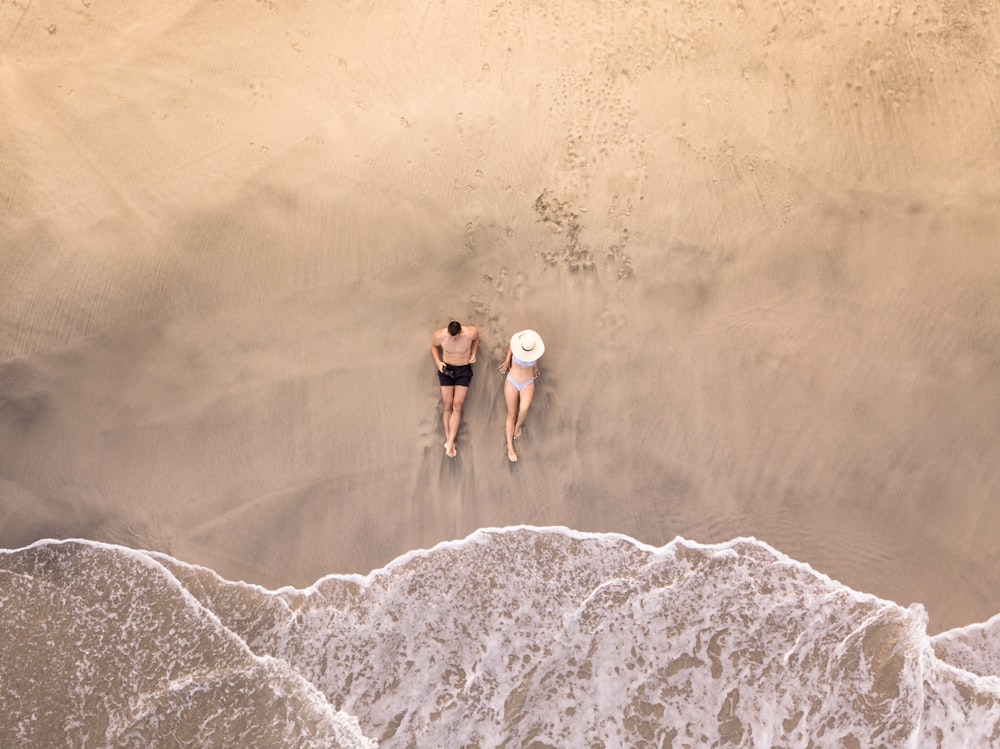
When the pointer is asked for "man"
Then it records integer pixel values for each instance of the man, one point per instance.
(457, 344)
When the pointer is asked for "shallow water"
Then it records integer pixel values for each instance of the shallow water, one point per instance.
(536, 637)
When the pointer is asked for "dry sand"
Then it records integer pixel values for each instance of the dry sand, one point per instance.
(759, 239)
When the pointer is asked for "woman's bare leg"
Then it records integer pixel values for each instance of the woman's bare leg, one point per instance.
(510, 395)
(527, 394)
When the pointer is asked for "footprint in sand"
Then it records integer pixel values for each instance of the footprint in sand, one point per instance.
(429, 436)
(488, 315)
(471, 229)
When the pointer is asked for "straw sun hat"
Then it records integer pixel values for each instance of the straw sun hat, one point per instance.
(527, 346)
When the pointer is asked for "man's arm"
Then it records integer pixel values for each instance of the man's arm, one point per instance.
(475, 346)
(435, 345)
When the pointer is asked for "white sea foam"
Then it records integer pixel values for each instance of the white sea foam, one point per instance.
(975, 648)
(520, 636)
(103, 647)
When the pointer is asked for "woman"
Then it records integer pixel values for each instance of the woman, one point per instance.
(521, 368)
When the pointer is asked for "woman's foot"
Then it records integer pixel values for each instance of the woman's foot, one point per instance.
(511, 455)
(449, 449)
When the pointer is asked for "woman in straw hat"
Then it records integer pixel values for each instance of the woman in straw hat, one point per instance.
(521, 368)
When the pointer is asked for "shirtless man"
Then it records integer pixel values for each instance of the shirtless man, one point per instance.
(457, 344)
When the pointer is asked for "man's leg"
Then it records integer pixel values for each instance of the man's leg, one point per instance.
(456, 416)
(448, 404)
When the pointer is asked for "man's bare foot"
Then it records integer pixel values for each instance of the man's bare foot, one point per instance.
(449, 450)
(511, 455)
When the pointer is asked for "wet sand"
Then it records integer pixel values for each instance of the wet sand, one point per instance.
(759, 241)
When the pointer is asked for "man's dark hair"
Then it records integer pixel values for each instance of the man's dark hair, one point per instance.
(454, 328)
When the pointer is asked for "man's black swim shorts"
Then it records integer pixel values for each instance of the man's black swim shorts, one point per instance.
(455, 374)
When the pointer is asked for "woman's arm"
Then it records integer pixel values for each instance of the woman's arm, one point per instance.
(505, 364)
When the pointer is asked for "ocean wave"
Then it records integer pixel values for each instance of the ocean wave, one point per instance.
(523, 636)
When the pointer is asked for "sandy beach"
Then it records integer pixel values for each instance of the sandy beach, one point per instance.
(759, 240)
